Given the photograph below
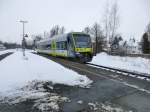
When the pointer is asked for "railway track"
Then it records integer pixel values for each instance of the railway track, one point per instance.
(5, 55)
(115, 70)
(102, 71)
(123, 72)
(120, 72)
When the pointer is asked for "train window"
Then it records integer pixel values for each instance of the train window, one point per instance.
(48, 46)
(61, 45)
(58, 46)
(64, 45)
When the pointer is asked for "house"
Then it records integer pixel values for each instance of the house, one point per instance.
(132, 47)
(126, 47)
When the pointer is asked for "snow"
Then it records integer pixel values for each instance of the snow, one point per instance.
(32, 78)
(121, 43)
(35, 91)
(51, 102)
(80, 102)
(17, 71)
(135, 64)
(102, 107)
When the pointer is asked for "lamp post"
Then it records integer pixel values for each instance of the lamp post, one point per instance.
(23, 39)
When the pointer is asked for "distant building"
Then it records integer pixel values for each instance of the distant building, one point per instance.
(133, 47)
(126, 47)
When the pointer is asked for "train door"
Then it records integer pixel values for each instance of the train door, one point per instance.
(70, 47)
(53, 48)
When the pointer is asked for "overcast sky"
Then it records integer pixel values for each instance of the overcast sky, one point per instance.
(73, 14)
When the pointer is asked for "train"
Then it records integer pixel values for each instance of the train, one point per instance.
(73, 45)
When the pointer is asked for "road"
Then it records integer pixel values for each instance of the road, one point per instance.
(128, 92)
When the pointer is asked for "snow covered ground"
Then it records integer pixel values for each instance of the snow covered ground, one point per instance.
(32, 76)
(136, 64)
(17, 71)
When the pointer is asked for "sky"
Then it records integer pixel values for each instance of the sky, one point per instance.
(74, 15)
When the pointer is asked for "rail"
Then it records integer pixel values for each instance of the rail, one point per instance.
(122, 71)
(2, 56)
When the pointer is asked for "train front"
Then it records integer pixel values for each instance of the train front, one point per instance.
(83, 47)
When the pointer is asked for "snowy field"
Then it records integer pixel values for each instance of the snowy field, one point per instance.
(17, 71)
(136, 64)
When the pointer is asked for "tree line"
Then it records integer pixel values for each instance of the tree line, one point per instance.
(104, 34)
(10, 45)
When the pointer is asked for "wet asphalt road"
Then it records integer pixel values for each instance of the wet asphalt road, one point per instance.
(105, 88)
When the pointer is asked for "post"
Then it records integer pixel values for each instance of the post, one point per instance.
(96, 49)
(23, 39)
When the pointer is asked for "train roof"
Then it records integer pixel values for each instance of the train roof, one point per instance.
(61, 37)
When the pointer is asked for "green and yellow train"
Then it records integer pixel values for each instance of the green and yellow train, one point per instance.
(76, 45)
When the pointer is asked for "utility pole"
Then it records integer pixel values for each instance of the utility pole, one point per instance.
(23, 39)
(96, 39)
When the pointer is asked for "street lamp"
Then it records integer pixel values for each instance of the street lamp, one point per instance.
(23, 39)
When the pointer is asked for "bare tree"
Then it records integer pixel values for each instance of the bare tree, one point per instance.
(62, 30)
(57, 30)
(54, 31)
(87, 30)
(97, 33)
(114, 20)
(111, 21)
(96, 30)
(106, 20)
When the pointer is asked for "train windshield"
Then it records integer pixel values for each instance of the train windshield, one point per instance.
(82, 40)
